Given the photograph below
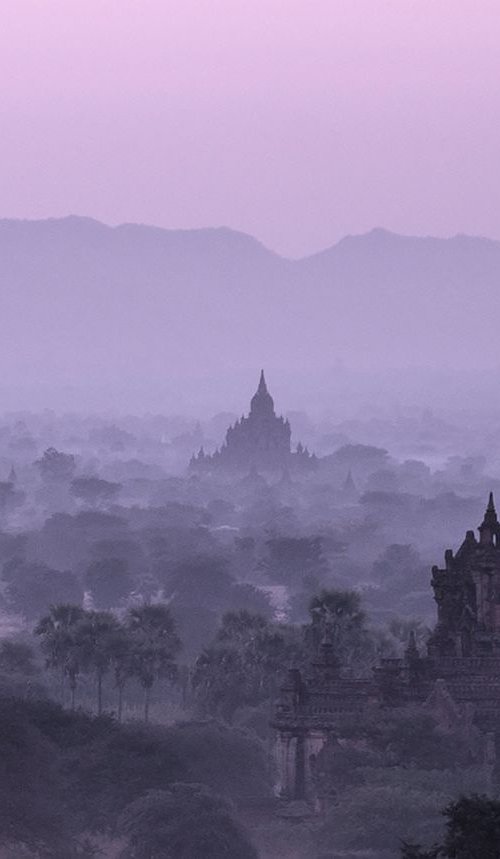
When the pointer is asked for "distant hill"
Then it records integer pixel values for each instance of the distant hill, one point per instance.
(81, 300)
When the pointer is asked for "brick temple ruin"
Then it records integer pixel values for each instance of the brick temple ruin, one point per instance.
(259, 441)
(457, 679)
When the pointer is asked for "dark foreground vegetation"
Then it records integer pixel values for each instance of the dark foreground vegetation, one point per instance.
(472, 832)
(78, 782)
(71, 783)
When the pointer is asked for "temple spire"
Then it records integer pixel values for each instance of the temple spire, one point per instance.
(262, 403)
(411, 651)
(489, 527)
(490, 517)
(349, 486)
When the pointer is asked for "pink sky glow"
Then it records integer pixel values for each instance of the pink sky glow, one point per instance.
(298, 121)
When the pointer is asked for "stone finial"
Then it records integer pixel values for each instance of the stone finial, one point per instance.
(411, 651)
(489, 527)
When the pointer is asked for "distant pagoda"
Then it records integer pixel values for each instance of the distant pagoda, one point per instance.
(260, 441)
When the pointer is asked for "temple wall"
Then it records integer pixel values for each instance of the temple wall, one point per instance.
(284, 756)
(294, 758)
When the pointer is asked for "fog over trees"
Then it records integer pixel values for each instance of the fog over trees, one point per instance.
(155, 606)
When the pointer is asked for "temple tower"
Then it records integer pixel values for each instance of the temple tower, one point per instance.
(260, 441)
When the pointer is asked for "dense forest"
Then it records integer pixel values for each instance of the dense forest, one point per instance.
(150, 613)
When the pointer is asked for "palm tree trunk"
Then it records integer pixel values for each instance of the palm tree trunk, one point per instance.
(99, 694)
(120, 701)
(186, 686)
(147, 698)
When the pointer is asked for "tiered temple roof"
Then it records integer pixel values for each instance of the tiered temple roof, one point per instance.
(458, 678)
(261, 440)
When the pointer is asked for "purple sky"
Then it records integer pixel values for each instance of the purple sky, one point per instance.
(298, 121)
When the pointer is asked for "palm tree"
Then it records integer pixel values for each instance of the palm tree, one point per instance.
(94, 636)
(154, 646)
(57, 631)
(122, 665)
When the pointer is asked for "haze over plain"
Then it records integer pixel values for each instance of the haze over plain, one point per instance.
(293, 121)
(139, 317)
(300, 124)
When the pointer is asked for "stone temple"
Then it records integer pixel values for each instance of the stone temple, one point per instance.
(457, 679)
(260, 441)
